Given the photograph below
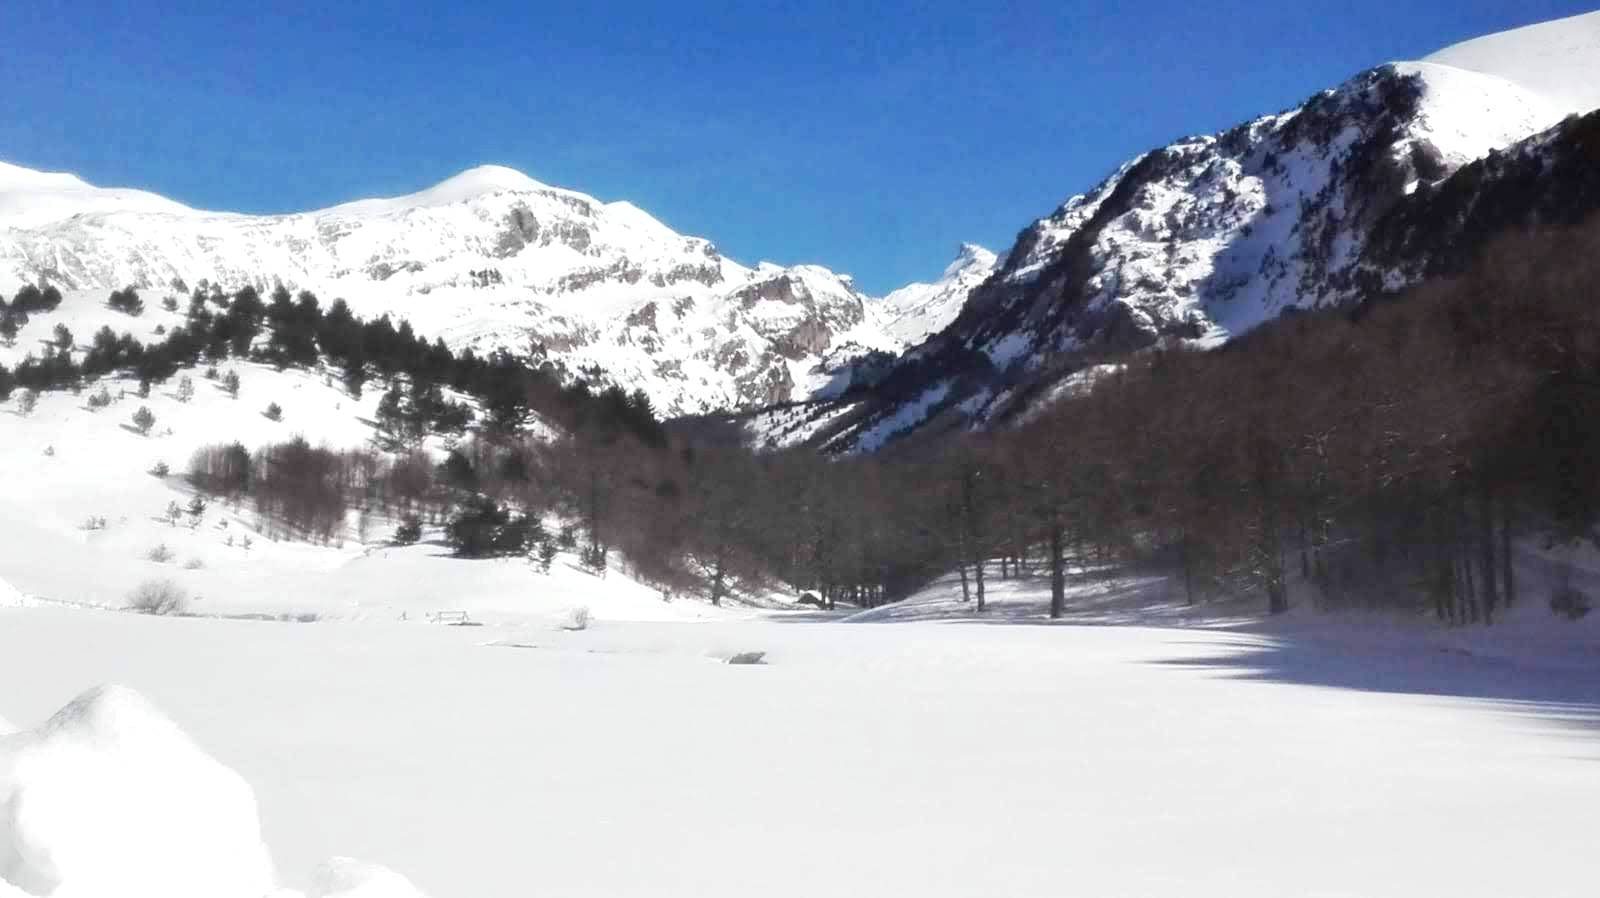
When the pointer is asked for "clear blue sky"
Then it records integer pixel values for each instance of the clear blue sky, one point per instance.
(869, 137)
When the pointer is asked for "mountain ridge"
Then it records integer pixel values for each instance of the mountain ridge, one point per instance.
(487, 259)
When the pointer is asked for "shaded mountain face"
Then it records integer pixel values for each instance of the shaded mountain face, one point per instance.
(488, 259)
(1397, 175)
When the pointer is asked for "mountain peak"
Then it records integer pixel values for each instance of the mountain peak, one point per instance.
(969, 255)
(470, 184)
(486, 179)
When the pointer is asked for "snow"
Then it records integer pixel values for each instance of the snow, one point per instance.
(31, 198)
(108, 797)
(1135, 750)
(901, 419)
(1559, 60)
(344, 877)
(1467, 114)
(468, 185)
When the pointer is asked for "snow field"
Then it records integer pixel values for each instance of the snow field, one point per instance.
(628, 760)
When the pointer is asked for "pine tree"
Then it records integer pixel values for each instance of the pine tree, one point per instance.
(27, 402)
(185, 389)
(274, 412)
(144, 419)
(231, 384)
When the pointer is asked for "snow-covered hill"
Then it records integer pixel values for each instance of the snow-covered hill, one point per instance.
(489, 258)
(1206, 238)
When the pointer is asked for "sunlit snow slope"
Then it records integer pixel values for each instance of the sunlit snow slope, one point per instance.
(1558, 60)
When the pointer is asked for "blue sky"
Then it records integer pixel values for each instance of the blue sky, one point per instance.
(872, 138)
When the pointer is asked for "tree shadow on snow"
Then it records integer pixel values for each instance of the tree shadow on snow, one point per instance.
(1563, 690)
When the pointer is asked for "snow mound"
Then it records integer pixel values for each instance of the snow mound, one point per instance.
(344, 877)
(11, 597)
(109, 799)
(1559, 60)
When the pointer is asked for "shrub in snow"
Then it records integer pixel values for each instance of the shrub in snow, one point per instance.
(547, 556)
(749, 658)
(577, 619)
(158, 597)
(143, 420)
(160, 554)
(193, 564)
(27, 401)
(409, 531)
(50, 451)
(185, 388)
(170, 303)
(100, 399)
(110, 798)
(231, 384)
(126, 301)
(1570, 603)
(160, 469)
(274, 412)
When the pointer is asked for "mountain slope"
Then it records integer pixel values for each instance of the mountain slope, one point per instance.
(1556, 60)
(487, 259)
(1389, 178)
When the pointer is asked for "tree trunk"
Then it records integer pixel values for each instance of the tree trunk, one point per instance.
(716, 582)
(1188, 569)
(1487, 576)
(1505, 551)
(1058, 570)
(966, 592)
(977, 572)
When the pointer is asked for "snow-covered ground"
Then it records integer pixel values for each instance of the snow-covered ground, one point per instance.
(1183, 752)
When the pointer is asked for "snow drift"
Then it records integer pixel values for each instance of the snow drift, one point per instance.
(110, 799)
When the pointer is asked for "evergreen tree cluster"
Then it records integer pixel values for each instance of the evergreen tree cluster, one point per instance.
(295, 331)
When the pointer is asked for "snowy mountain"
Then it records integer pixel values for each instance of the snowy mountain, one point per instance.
(1204, 239)
(915, 311)
(487, 259)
